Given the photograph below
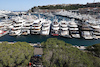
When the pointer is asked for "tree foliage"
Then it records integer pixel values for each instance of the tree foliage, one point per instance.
(94, 50)
(57, 53)
(17, 54)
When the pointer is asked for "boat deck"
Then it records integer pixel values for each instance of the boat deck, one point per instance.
(4, 33)
(97, 37)
(24, 33)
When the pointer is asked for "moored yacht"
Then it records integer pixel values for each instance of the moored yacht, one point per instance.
(3, 29)
(96, 31)
(36, 27)
(55, 28)
(26, 27)
(74, 30)
(49, 14)
(17, 26)
(87, 35)
(87, 31)
(3, 32)
(64, 29)
(46, 27)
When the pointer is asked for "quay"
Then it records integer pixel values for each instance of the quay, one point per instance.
(80, 20)
(72, 15)
(80, 47)
(38, 44)
(32, 44)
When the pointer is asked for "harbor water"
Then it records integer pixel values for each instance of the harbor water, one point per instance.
(41, 38)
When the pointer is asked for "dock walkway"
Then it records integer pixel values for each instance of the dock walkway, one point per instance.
(36, 44)
(80, 47)
(32, 44)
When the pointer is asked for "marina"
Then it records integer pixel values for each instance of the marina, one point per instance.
(38, 28)
(50, 33)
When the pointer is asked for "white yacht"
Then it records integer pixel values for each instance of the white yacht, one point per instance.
(2, 25)
(87, 31)
(55, 28)
(3, 29)
(46, 27)
(64, 29)
(87, 35)
(74, 30)
(36, 27)
(49, 14)
(26, 27)
(17, 26)
(96, 31)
